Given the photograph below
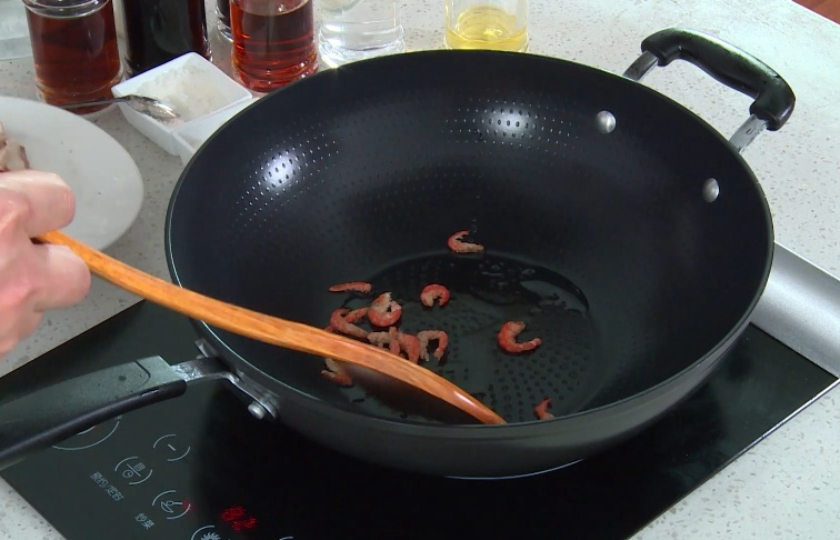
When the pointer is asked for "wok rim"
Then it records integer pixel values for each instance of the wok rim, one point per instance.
(707, 361)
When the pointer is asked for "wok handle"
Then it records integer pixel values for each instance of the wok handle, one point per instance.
(773, 98)
(52, 414)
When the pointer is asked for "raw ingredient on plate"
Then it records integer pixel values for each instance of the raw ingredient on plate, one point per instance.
(12, 153)
(507, 338)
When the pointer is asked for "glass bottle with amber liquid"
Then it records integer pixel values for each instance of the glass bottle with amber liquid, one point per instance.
(157, 31)
(273, 42)
(74, 46)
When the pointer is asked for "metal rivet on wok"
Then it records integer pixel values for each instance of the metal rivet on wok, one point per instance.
(711, 190)
(257, 410)
(606, 121)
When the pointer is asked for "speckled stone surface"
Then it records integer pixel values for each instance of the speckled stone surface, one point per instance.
(785, 487)
(788, 486)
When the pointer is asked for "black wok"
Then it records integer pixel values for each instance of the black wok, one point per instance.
(628, 234)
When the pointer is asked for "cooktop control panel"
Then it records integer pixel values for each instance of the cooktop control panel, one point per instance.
(145, 473)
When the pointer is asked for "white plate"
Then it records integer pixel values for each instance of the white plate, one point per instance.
(105, 180)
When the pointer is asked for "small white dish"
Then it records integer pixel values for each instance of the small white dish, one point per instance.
(106, 182)
(192, 84)
(190, 136)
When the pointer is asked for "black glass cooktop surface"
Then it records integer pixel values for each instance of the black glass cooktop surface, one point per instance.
(200, 467)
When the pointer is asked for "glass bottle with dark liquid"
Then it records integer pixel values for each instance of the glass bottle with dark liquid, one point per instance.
(273, 42)
(74, 46)
(157, 31)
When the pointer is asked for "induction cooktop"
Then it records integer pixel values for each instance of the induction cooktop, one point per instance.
(200, 467)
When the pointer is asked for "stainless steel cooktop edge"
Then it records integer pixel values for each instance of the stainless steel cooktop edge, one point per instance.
(801, 308)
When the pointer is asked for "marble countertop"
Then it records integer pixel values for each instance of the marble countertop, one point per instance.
(789, 484)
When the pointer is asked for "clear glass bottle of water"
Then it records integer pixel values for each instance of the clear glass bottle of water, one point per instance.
(358, 29)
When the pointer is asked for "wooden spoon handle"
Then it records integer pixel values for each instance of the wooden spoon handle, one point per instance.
(270, 329)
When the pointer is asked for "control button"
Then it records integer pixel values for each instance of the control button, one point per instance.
(91, 436)
(170, 446)
(206, 533)
(133, 470)
(172, 506)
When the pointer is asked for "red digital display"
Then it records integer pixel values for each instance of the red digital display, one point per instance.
(238, 518)
(232, 513)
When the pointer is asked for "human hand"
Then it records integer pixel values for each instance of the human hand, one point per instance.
(34, 277)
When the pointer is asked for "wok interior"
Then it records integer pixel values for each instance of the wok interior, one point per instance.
(345, 175)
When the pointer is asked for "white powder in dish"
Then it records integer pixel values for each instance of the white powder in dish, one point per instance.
(191, 90)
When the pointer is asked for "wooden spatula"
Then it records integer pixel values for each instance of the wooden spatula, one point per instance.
(273, 330)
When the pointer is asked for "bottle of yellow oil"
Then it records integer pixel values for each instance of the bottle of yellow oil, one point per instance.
(487, 24)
